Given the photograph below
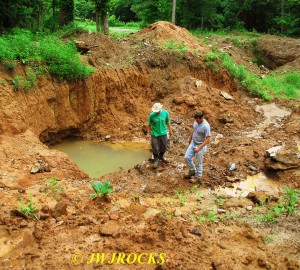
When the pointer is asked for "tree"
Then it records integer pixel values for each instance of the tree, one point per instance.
(101, 17)
(66, 14)
(173, 20)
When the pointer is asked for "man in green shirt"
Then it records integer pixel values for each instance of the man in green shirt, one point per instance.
(158, 122)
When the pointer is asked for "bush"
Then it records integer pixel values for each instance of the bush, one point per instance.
(63, 59)
(35, 51)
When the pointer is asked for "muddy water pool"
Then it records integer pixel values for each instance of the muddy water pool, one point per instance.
(258, 182)
(100, 158)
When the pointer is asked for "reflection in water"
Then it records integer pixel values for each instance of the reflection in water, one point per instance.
(97, 159)
(258, 182)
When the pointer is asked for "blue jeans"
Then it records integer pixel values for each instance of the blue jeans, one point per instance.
(190, 153)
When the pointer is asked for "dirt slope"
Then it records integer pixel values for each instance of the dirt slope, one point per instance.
(144, 214)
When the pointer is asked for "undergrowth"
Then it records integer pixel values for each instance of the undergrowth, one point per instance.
(40, 54)
(285, 86)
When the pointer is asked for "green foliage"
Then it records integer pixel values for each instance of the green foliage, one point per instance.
(258, 60)
(268, 239)
(27, 81)
(28, 209)
(175, 46)
(63, 59)
(284, 86)
(291, 199)
(211, 60)
(35, 51)
(218, 199)
(269, 217)
(100, 189)
(53, 187)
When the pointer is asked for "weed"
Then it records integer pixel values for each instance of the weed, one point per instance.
(100, 189)
(181, 196)
(182, 200)
(201, 219)
(212, 217)
(211, 61)
(192, 218)
(229, 216)
(219, 200)
(291, 200)
(54, 188)
(167, 215)
(269, 217)
(175, 46)
(28, 209)
(194, 188)
(268, 239)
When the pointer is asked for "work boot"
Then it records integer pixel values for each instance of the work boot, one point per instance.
(155, 163)
(189, 174)
(164, 159)
(195, 180)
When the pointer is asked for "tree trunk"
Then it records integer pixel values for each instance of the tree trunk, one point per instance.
(66, 13)
(174, 12)
(98, 27)
(104, 19)
(282, 14)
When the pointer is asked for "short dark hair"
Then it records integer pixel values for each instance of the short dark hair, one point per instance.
(198, 114)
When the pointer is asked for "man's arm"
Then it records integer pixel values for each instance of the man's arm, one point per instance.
(169, 127)
(206, 141)
(149, 132)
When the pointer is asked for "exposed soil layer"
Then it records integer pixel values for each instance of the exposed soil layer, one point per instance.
(185, 229)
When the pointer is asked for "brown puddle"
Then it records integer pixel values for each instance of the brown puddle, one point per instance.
(100, 158)
(258, 182)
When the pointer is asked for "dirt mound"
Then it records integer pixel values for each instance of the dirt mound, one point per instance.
(161, 32)
(280, 52)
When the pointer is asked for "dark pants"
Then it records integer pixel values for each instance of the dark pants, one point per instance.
(159, 146)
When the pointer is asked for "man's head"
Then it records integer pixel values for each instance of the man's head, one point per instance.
(157, 107)
(198, 116)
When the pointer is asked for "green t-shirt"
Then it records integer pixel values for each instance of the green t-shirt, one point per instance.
(158, 122)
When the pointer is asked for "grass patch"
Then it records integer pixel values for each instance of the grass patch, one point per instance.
(116, 30)
(174, 46)
(41, 53)
(285, 86)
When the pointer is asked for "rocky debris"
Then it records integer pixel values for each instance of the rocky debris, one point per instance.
(151, 212)
(232, 166)
(40, 166)
(235, 203)
(261, 197)
(226, 96)
(196, 232)
(109, 228)
(198, 83)
(82, 47)
(60, 209)
(282, 157)
(225, 119)
(273, 151)
(178, 100)
(142, 167)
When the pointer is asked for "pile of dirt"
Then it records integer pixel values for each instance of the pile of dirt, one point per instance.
(160, 33)
(280, 53)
